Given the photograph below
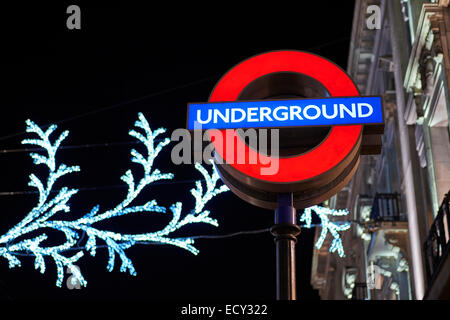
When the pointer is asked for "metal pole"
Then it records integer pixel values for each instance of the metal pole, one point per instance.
(285, 232)
(410, 179)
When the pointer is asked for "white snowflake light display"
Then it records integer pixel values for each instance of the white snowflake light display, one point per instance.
(327, 226)
(28, 238)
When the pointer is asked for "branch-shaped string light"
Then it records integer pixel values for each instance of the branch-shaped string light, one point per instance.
(327, 226)
(21, 240)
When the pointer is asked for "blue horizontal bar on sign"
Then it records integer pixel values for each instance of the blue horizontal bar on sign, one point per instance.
(285, 113)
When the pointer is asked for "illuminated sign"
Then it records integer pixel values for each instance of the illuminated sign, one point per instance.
(245, 97)
(285, 113)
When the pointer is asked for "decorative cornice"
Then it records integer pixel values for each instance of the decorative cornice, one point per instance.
(425, 44)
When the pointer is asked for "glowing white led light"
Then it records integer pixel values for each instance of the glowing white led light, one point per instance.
(327, 226)
(14, 243)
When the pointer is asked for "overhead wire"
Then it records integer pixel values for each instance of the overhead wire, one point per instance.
(80, 146)
(106, 187)
(153, 94)
(109, 144)
(119, 104)
(197, 237)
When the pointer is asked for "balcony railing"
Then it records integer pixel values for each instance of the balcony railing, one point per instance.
(437, 244)
(386, 207)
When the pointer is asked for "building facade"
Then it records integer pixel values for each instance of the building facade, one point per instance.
(398, 246)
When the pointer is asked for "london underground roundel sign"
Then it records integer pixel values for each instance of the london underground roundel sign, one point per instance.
(324, 127)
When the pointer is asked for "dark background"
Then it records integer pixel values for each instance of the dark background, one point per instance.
(129, 59)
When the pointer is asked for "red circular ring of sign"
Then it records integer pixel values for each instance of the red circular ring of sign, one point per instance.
(334, 149)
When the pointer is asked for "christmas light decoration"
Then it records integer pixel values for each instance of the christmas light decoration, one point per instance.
(27, 238)
(327, 226)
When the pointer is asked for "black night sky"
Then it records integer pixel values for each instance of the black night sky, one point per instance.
(129, 59)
